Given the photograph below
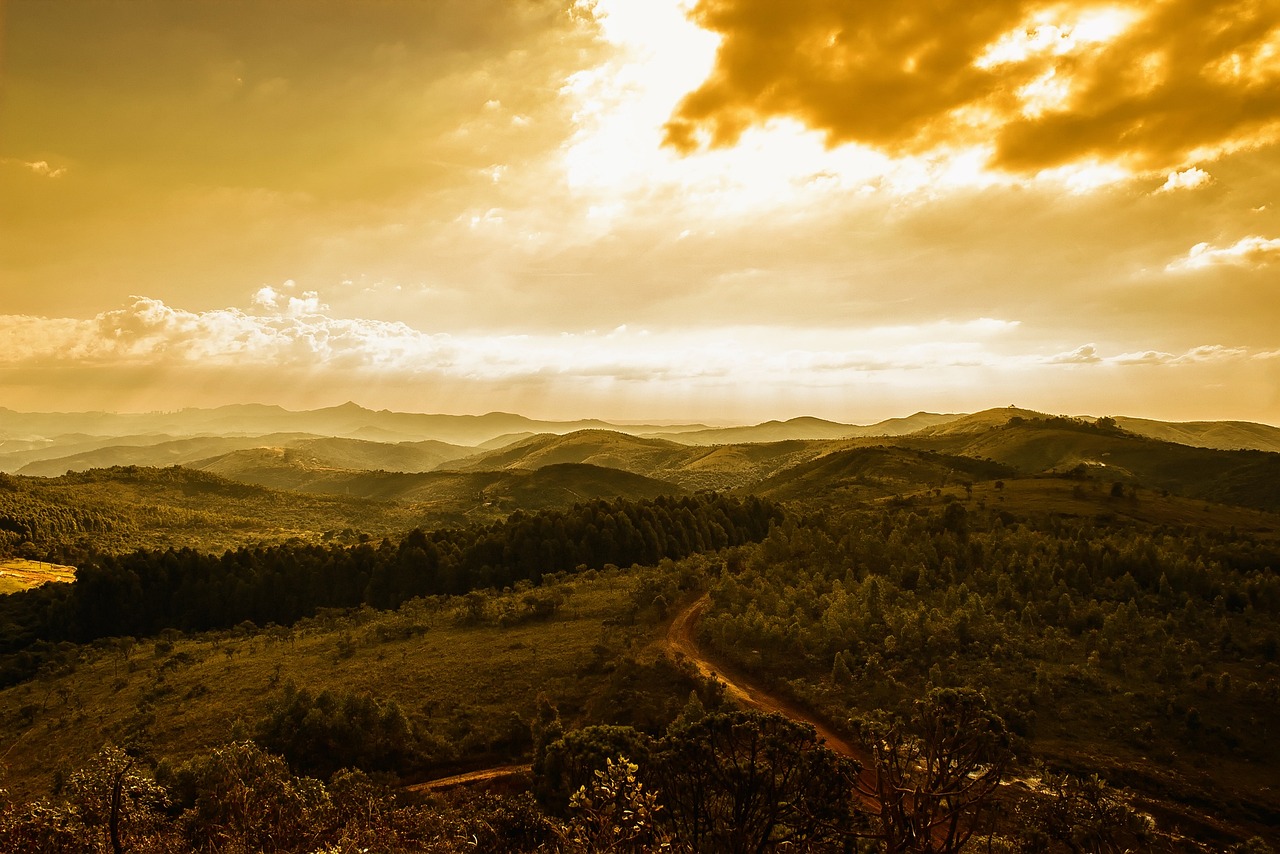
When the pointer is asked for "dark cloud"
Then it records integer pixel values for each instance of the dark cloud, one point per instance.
(1185, 79)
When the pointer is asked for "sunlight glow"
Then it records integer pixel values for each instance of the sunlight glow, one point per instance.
(1081, 178)
(615, 162)
(622, 106)
(1251, 251)
(1050, 32)
(1259, 66)
(1049, 91)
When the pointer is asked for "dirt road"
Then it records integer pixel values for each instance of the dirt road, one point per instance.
(681, 641)
(470, 778)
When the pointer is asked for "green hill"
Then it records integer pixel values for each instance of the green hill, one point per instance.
(157, 454)
(1223, 435)
(807, 428)
(1035, 445)
(691, 466)
(336, 452)
(123, 508)
(978, 422)
(874, 472)
(596, 447)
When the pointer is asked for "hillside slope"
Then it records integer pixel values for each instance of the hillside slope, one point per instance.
(691, 466)
(874, 472)
(807, 428)
(1062, 445)
(334, 452)
(1222, 435)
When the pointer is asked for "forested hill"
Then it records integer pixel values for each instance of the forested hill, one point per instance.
(145, 592)
(1051, 444)
(124, 508)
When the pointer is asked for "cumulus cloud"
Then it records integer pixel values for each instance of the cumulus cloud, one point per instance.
(147, 331)
(1246, 252)
(263, 351)
(1088, 354)
(272, 299)
(274, 351)
(1149, 85)
(1187, 179)
(282, 331)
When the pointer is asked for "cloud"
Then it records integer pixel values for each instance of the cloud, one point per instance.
(150, 354)
(282, 331)
(1247, 252)
(1147, 85)
(42, 168)
(1088, 354)
(38, 167)
(1187, 179)
(271, 299)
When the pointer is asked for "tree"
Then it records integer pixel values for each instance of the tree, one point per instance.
(113, 797)
(740, 782)
(322, 733)
(240, 798)
(1085, 815)
(936, 773)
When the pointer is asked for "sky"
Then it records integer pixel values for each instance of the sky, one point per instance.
(723, 211)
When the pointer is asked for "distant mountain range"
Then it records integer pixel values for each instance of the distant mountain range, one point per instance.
(347, 420)
(807, 428)
(164, 489)
(49, 444)
(429, 457)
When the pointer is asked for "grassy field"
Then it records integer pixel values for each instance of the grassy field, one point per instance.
(19, 574)
(1092, 499)
(469, 684)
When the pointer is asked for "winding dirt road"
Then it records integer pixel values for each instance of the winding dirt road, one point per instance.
(680, 643)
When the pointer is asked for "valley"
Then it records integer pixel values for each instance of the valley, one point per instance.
(1097, 600)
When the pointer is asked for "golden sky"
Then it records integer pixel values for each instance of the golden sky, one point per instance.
(724, 210)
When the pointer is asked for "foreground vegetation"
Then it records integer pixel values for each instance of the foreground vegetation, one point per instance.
(1015, 664)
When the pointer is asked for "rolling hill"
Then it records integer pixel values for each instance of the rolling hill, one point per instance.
(420, 456)
(1033, 444)
(806, 428)
(691, 466)
(977, 422)
(454, 492)
(162, 452)
(596, 447)
(123, 508)
(1222, 435)
(348, 420)
(874, 472)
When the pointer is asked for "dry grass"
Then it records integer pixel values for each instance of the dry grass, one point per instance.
(19, 574)
(466, 686)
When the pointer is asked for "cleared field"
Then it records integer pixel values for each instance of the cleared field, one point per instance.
(468, 682)
(21, 574)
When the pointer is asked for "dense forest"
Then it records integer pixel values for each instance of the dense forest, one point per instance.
(1154, 647)
(144, 592)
